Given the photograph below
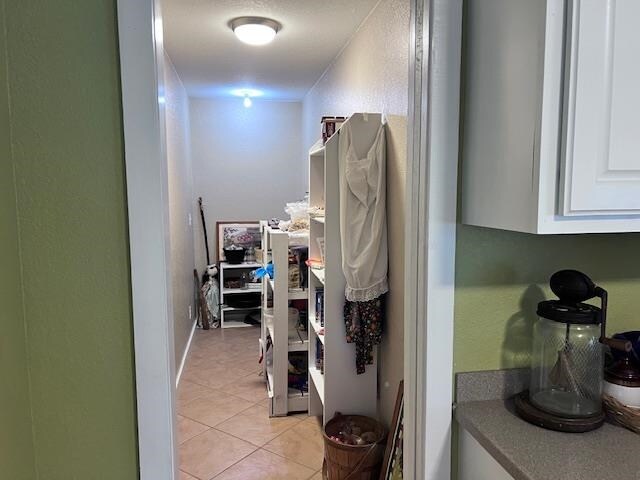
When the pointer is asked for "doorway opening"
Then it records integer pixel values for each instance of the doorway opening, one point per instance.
(251, 130)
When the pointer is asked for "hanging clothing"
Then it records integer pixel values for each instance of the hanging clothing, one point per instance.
(363, 235)
(363, 216)
(364, 328)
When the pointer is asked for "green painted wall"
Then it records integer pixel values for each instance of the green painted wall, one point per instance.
(68, 153)
(16, 445)
(501, 276)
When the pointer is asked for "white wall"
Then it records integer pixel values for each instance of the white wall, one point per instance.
(180, 205)
(371, 75)
(247, 162)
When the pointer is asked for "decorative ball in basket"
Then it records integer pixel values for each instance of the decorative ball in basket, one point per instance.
(354, 447)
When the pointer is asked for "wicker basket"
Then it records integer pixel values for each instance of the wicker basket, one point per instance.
(352, 462)
(628, 417)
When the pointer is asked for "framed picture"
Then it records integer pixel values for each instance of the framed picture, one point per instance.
(392, 464)
(240, 234)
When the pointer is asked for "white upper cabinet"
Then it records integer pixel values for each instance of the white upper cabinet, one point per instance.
(602, 151)
(551, 134)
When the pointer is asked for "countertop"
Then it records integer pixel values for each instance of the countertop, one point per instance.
(528, 452)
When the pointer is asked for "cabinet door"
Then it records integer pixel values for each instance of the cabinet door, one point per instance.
(601, 169)
(475, 463)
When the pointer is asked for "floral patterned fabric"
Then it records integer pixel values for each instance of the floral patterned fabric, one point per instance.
(364, 328)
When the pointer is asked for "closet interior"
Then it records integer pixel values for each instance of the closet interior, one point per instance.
(286, 190)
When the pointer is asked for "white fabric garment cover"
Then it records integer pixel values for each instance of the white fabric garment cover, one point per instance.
(363, 216)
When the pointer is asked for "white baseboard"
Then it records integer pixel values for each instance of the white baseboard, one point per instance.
(185, 354)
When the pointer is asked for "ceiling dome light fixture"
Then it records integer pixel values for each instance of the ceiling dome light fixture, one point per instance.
(255, 30)
(247, 102)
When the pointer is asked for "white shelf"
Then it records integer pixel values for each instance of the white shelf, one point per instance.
(227, 265)
(317, 149)
(297, 401)
(294, 293)
(276, 324)
(269, 325)
(297, 346)
(318, 380)
(294, 343)
(269, 383)
(316, 328)
(231, 291)
(298, 294)
(226, 308)
(318, 273)
(340, 389)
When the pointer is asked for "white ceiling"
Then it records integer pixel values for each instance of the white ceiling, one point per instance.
(212, 62)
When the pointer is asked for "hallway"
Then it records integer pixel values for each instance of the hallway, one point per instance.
(223, 425)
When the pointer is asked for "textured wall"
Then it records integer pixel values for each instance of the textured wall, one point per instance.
(247, 162)
(501, 276)
(16, 442)
(68, 154)
(371, 75)
(181, 205)
(392, 348)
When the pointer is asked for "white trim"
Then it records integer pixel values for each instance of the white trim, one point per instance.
(431, 235)
(186, 353)
(142, 75)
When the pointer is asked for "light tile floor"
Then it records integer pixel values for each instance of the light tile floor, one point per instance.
(224, 427)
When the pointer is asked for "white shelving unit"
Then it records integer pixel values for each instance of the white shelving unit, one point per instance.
(338, 388)
(225, 293)
(283, 399)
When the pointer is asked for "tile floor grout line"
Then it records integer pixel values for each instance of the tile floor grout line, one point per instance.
(291, 460)
(221, 386)
(218, 392)
(282, 433)
(235, 414)
(259, 446)
(248, 441)
(213, 390)
(286, 458)
(236, 344)
(230, 466)
(195, 421)
(314, 472)
(225, 433)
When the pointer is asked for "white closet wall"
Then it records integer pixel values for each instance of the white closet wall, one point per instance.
(180, 206)
(247, 162)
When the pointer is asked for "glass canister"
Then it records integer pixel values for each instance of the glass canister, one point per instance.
(567, 361)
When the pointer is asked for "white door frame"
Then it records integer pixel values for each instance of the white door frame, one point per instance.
(432, 176)
(430, 244)
(142, 76)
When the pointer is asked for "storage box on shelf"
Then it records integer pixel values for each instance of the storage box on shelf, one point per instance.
(334, 384)
(285, 341)
(231, 313)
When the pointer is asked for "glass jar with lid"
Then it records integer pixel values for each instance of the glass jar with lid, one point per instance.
(567, 361)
